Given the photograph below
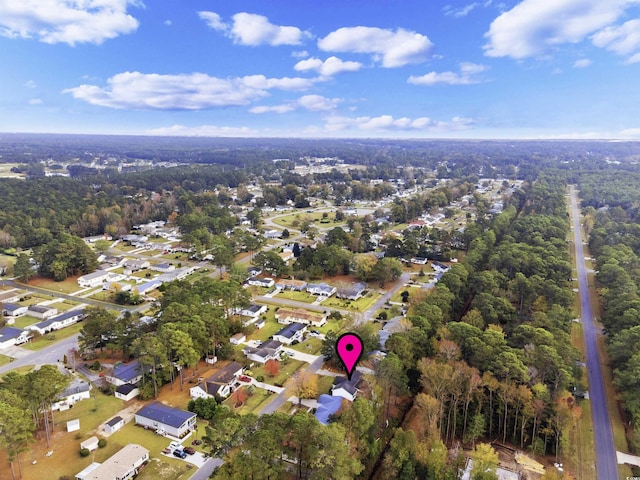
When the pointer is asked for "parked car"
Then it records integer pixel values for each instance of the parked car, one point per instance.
(174, 445)
(189, 450)
(179, 454)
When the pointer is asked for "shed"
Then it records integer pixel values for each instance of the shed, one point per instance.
(90, 444)
(113, 425)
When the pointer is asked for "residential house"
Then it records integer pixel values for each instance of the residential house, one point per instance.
(125, 373)
(116, 286)
(76, 391)
(327, 406)
(113, 425)
(123, 465)
(269, 350)
(261, 282)
(147, 287)
(353, 291)
(297, 285)
(40, 311)
(11, 297)
(135, 265)
(92, 280)
(220, 384)
(253, 310)
(10, 336)
(13, 309)
(291, 333)
(286, 316)
(237, 339)
(162, 267)
(272, 234)
(286, 256)
(58, 322)
(419, 260)
(90, 444)
(96, 238)
(254, 271)
(166, 419)
(321, 289)
(127, 391)
(345, 388)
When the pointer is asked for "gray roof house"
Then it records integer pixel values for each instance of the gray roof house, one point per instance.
(290, 333)
(166, 419)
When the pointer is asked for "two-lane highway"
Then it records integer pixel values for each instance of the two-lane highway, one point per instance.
(605, 450)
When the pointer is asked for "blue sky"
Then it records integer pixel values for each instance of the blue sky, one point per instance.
(356, 68)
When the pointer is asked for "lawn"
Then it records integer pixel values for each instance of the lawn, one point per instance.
(70, 285)
(64, 306)
(4, 360)
(25, 321)
(158, 469)
(311, 345)
(33, 298)
(324, 384)
(286, 370)
(360, 305)
(297, 296)
(253, 403)
(46, 340)
(263, 334)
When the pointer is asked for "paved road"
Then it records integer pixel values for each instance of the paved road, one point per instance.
(50, 354)
(605, 449)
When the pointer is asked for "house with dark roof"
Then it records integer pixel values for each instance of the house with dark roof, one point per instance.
(162, 267)
(40, 311)
(291, 333)
(13, 309)
(269, 350)
(76, 391)
(125, 373)
(220, 384)
(352, 292)
(113, 425)
(345, 388)
(127, 392)
(166, 419)
(10, 336)
(59, 321)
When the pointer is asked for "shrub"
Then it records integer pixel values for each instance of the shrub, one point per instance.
(84, 452)
(96, 365)
(260, 378)
(102, 443)
(382, 315)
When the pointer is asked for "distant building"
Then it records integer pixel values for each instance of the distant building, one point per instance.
(297, 285)
(91, 280)
(40, 311)
(58, 322)
(286, 316)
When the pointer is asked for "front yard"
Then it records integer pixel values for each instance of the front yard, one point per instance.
(286, 371)
(41, 341)
(297, 296)
(253, 403)
(360, 305)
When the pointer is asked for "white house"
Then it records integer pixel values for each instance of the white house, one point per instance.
(345, 388)
(291, 333)
(40, 311)
(166, 419)
(125, 373)
(237, 339)
(58, 322)
(123, 465)
(286, 316)
(94, 279)
(131, 266)
(220, 384)
(162, 267)
(113, 425)
(322, 289)
(13, 309)
(11, 297)
(267, 351)
(76, 391)
(271, 234)
(261, 282)
(10, 336)
(353, 291)
(127, 392)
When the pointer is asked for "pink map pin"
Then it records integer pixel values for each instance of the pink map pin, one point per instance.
(349, 347)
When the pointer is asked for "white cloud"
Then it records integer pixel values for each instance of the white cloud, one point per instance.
(534, 27)
(467, 76)
(30, 84)
(213, 20)
(202, 131)
(630, 133)
(582, 63)
(313, 103)
(388, 122)
(622, 39)
(168, 23)
(64, 21)
(330, 67)
(300, 54)
(391, 49)
(35, 101)
(633, 59)
(253, 30)
(460, 12)
(196, 91)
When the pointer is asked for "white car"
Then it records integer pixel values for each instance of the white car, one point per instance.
(174, 445)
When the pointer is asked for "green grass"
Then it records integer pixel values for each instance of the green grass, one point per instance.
(360, 305)
(311, 345)
(64, 306)
(34, 298)
(25, 321)
(42, 341)
(92, 411)
(324, 384)
(4, 360)
(158, 469)
(271, 327)
(20, 370)
(286, 370)
(297, 296)
(67, 286)
(252, 404)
